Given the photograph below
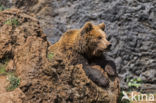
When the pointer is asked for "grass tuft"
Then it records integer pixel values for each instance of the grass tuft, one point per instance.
(134, 83)
(3, 8)
(13, 82)
(13, 22)
(50, 55)
(2, 69)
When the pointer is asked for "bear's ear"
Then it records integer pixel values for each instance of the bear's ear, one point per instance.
(87, 28)
(102, 26)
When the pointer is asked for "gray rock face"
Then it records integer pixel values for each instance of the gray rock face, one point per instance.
(130, 26)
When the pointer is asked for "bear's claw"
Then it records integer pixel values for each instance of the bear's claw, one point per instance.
(110, 70)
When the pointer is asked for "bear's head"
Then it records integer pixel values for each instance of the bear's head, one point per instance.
(93, 39)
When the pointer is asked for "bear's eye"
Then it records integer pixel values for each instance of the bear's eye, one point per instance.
(99, 37)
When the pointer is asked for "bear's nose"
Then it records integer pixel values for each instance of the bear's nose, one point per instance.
(109, 46)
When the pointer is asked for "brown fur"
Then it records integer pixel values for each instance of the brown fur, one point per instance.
(90, 40)
(86, 46)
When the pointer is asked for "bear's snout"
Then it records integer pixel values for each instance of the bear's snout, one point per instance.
(109, 46)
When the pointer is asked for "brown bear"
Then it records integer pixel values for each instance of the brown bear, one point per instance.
(87, 46)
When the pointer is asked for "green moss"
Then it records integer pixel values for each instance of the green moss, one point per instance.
(13, 22)
(2, 69)
(135, 83)
(50, 55)
(13, 82)
(3, 8)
